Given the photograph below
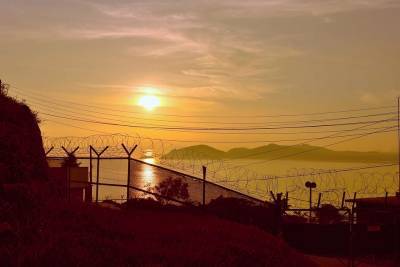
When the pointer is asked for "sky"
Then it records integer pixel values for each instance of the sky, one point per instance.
(203, 58)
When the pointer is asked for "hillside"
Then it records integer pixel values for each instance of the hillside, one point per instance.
(22, 156)
(60, 234)
(272, 151)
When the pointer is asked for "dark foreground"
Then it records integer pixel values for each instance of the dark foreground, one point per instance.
(35, 232)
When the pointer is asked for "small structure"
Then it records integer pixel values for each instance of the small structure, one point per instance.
(72, 182)
(377, 210)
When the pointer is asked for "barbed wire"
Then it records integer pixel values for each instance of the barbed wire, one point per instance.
(330, 182)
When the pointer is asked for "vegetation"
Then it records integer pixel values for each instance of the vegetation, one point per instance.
(171, 188)
(70, 161)
(22, 156)
(3, 90)
(40, 230)
(328, 214)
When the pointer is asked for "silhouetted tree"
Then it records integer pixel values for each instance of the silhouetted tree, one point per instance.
(70, 161)
(3, 89)
(172, 189)
(328, 214)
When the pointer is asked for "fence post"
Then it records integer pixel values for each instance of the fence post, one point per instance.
(128, 183)
(343, 199)
(98, 170)
(48, 151)
(204, 185)
(90, 165)
(319, 200)
(89, 187)
(386, 199)
(279, 213)
(351, 241)
(286, 200)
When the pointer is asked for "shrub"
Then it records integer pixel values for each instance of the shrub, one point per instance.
(244, 211)
(172, 189)
(328, 214)
(70, 161)
(4, 89)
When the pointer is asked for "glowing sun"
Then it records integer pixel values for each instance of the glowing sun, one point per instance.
(149, 102)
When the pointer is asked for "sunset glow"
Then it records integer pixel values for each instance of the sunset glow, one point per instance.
(149, 102)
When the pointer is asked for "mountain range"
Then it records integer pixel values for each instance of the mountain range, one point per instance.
(274, 151)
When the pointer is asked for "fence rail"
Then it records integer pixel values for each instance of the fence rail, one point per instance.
(138, 176)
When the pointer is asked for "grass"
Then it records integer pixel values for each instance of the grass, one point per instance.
(57, 233)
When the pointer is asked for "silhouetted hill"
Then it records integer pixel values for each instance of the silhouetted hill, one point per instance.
(272, 151)
(203, 151)
(21, 149)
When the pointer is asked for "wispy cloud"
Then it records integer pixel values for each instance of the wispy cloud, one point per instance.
(228, 49)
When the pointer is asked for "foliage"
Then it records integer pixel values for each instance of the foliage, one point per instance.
(172, 189)
(70, 161)
(86, 235)
(244, 211)
(22, 156)
(4, 89)
(328, 214)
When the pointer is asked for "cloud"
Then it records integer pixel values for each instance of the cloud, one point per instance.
(227, 49)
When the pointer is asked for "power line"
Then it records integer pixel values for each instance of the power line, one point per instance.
(223, 116)
(224, 142)
(39, 101)
(287, 133)
(194, 129)
(304, 143)
(333, 171)
(310, 150)
(52, 109)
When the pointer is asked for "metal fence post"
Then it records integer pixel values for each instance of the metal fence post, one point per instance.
(351, 230)
(343, 199)
(90, 165)
(128, 181)
(48, 151)
(98, 170)
(204, 185)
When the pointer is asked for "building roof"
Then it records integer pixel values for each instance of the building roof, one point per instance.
(390, 201)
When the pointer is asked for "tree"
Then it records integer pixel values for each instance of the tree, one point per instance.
(172, 188)
(70, 161)
(328, 214)
(3, 89)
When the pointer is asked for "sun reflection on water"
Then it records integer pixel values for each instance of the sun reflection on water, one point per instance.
(147, 170)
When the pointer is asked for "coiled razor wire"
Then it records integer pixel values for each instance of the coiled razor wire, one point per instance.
(331, 183)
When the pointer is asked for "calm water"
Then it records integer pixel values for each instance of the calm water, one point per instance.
(259, 179)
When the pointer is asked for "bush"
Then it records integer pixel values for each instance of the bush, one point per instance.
(328, 214)
(244, 211)
(70, 161)
(4, 89)
(171, 189)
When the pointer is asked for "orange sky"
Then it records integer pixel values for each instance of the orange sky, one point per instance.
(206, 60)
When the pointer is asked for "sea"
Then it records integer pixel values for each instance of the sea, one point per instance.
(257, 178)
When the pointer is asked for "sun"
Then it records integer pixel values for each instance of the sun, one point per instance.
(149, 102)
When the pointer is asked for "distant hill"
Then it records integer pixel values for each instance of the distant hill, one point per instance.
(272, 151)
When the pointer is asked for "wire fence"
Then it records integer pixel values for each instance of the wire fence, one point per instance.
(367, 180)
(120, 178)
(114, 174)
